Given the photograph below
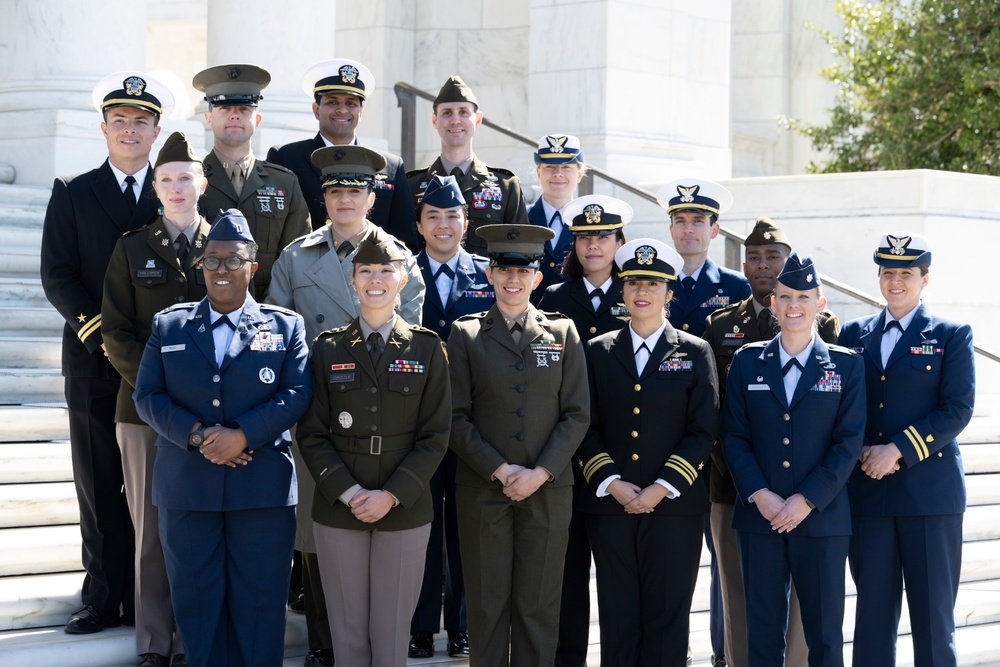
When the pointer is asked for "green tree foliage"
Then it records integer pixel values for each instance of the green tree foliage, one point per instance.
(918, 88)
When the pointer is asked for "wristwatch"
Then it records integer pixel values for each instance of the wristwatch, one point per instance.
(197, 437)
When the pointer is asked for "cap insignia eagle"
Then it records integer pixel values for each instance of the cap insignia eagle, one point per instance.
(556, 144)
(645, 254)
(899, 244)
(687, 194)
(134, 86)
(592, 214)
(349, 74)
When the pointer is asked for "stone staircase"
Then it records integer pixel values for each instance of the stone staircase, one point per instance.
(40, 573)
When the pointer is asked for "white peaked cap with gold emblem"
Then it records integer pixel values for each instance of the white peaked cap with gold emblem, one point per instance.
(648, 259)
(339, 75)
(694, 194)
(596, 215)
(134, 89)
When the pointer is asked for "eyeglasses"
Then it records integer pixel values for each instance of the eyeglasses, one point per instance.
(233, 263)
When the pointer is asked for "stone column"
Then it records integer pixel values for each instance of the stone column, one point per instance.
(55, 53)
(643, 83)
(283, 39)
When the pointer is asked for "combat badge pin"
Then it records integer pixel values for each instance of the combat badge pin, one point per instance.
(266, 375)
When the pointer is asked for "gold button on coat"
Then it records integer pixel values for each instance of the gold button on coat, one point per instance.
(635, 411)
(635, 457)
(635, 434)
(638, 387)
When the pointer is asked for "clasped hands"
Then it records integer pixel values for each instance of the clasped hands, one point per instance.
(878, 461)
(634, 499)
(784, 515)
(225, 446)
(520, 482)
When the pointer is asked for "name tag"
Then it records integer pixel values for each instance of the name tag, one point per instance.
(757, 387)
(172, 348)
(341, 377)
(149, 273)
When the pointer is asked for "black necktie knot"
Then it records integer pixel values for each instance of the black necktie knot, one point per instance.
(458, 174)
(765, 323)
(183, 248)
(224, 321)
(792, 363)
(892, 324)
(445, 269)
(688, 285)
(375, 345)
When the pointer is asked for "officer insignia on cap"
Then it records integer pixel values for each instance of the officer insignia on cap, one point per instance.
(339, 154)
(513, 234)
(767, 235)
(899, 244)
(134, 86)
(556, 143)
(687, 194)
(645, 254)
(809, 278)
(349, 74)
(234, 72)
(593, 214)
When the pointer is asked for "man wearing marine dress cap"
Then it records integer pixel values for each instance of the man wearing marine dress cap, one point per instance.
(268, 194)
(751, 320)
(493, 194)
(339, 89)
(521, 406)
(222, 381)
(559, 166)
(908, 495)
(694, 206)
(792, 429)
(86, 215)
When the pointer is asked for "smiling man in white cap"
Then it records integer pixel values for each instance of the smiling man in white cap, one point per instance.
(340, 88)
(86, 215)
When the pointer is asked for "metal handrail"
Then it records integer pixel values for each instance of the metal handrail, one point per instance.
(406, 96)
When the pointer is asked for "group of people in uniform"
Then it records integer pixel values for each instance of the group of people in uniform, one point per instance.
(437, 398)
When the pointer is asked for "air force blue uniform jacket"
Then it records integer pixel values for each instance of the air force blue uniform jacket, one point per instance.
(262, 386)
(471, 292)
(551, 264)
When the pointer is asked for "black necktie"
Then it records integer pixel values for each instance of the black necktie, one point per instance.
(445, 269)
(184, 249)
(688, 285)
(764, 324)
(224, 321)
(599, 293)
(345, 249)
(458, 174)
(792, 363)
(129, 192)
(892, 324)
(375, 346)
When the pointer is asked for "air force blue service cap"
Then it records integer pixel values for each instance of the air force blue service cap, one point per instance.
(134, 89)
(596, 215)
(339, 75)
(558, 149)
(230, 225)
(799, 273)
(903, 251)
(695, 194)
(443, 192)
(648, 259)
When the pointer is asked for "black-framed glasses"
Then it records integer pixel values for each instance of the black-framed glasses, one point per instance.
(233, 263)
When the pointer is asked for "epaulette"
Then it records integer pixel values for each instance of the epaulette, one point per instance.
(472, 316)
(757, 343)
(144, 228)
(840, 348)
(501, 170)
(423, 330)
(180, 306)
(280, 309)
(414, 172)
(553, 315)
(276, 167)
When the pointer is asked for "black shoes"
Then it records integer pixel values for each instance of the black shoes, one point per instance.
(153, 660)
(90, 619)
(458, 644)
(421, 645)
(179, 661)
(718, 661)
(320, 657)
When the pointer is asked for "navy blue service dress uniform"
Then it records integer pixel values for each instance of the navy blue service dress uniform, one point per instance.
(555, 252)
(393, 209)
(653, 426)
(86, 215)
(908, 524)
(716, 287)
(227, 532)
(806, 446)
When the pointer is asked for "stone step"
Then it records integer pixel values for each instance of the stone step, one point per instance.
(40, 504)
(40, 600)
(23, 234)
(30, 351)
(983, 489)
(38, 422)
(981, 458)
(21, 291)
(29, 462)
(22, 321)
(39, 550)
(981, 430)
(31, 198)
(19, 386)
(15, 261)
